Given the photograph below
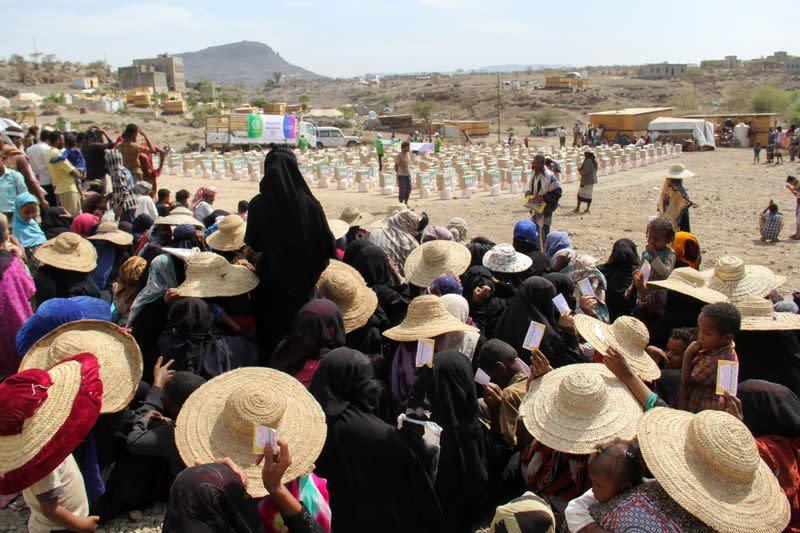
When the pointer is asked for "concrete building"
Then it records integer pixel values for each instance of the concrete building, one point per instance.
(207, 90)
(85, 83)
(792, 67)
(139, 76)
(171, 67)
(662, 71)
(731, 62)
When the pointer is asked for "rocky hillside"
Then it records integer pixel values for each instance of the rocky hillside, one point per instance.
(17, 72)
(246, 62)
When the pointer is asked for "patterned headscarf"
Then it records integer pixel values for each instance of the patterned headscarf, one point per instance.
(201, 193)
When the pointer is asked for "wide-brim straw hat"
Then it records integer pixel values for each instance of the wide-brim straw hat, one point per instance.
(709, 464)
(117, 353)
(758, 314)
(37, 438)
(435, 258)
(68, 251)
(109, 231)
(738, 281)
(344, 286)
(209, 275)
(503, 258)
(339, 228)
(628, 335)
(690, 282)
(184, 254)
(354, 217)
(426, 318)
(229, 236)
(678, 171)
(576, 407)
(218, 420)
(178, 217)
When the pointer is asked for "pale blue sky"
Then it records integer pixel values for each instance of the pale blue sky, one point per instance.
(351, 37)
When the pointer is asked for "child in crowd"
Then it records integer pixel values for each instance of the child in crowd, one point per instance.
(793, 185)
(718, 325)
(770, 223)
(163, 204)
(614, 468)
(677, 344)
(242, 208)
(650, 301)
(757, 153)
(182, 198)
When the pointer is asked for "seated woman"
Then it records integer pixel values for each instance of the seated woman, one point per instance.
(16, 290)
(26, 230)
(67, 263)
(113, 249)
(381, 276)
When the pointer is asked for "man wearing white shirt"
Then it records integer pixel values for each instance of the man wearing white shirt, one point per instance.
(37, 155)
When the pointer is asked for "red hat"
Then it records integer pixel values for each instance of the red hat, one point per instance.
(47, 413)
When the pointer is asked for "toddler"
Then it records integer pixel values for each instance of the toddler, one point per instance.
(770, 223)
(718, 325)
(757, 153)
(650, 301)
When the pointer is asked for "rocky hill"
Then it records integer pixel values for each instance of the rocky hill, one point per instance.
(245, 62)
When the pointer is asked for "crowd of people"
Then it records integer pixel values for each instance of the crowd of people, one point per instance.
(277, 370)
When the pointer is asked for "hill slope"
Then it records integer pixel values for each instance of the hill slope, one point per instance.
(245, 62)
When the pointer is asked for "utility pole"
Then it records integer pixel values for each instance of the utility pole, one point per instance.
(498, 108)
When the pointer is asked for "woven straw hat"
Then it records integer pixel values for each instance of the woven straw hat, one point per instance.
(678, 171)
(690, 282)
(179, 216)
(217, 420)
(628, 335)
(434, 258)
(184, 254)
(52, 413)
(759, 315)
(109, 231)
(709, 464)
(209, 275)
(68, 251)
(229, 236)
(117, 354)
(576, 407)
(339, 228)
(354, 217)
(427, 317)
(503, 258)
(344, 286)
(738, 281)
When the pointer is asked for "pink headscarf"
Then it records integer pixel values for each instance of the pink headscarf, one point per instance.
(82, 224)
(201, 193)
(436, 233)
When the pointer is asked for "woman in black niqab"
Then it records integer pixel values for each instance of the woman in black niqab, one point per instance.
(618, 270)
(287, 226)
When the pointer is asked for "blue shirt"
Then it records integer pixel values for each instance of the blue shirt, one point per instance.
(74, 156)
(11, 184)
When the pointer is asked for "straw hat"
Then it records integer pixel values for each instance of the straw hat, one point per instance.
(690, 282)
(678, 171)
(354, 217)
(576, 407)
(68, 251)
(209, 275)
(217, 420)
(434, 258)
(628, 335)
(345, 286)
(503, 258)
(117, 354)
(178, 216)
(427, 317)
(229, 236)
(46, 414)
(738, 281)
(709, 464)
(184, 254)
(109, 231)
(759, 315)
(339, 228)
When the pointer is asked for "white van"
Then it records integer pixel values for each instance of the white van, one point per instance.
(330, 137)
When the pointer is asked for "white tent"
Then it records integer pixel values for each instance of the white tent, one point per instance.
(701, 130)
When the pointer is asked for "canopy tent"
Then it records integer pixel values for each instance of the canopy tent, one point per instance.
(701, 130)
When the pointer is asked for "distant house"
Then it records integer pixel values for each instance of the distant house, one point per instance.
(792, 67)
(731, 62)
(163, 73)
(27, 99)
(85, 83)
(662, 71)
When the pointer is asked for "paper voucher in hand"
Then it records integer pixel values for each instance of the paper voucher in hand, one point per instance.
(645, 271)
(264, 437)
(481, 377)
(534, 336)
(561, 303)
(727, 377)
(586, 288)
(425, 352)
(521, 365)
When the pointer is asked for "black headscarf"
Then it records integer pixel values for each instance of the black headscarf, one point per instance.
(353, 250)
(361, 452)
(477, 249)
(564, 286)
(484, 314)
(52, 282)
(287, 226)
(534, 302)
(56, 221)
(770, 355)
(618, 270)
(318, 328)
(210, 498)
(370, 261)
(769, 408)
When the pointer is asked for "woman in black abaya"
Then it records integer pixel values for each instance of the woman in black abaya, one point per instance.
(287, 226)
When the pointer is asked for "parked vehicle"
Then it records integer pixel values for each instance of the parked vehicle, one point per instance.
(331, 137)
(242, 131)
